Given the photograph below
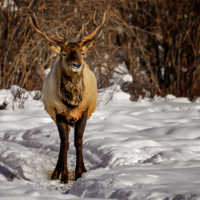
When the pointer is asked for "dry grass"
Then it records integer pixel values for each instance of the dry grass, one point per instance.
(61, 187)
(71, 176)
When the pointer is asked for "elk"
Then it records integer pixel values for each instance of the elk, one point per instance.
(70, 94)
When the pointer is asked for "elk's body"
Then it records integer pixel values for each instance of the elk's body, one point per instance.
(70, 95)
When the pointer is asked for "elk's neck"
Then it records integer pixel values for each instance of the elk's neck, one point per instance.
(71, 90)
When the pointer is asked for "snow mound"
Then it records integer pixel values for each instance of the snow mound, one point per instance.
(18, 98)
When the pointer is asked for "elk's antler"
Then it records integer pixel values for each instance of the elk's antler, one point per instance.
(90, 37)
(60, 41)
(63, 38)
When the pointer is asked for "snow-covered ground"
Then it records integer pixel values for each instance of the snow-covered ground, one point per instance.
(132, 150)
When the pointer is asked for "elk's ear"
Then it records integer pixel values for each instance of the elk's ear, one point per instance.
(88, 46)
(55, 48)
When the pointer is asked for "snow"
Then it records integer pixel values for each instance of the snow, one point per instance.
(119, 74)
(132, 150)
(45, 73)
(7, 3)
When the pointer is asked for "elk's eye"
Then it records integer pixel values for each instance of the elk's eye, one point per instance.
(64, 54)
(83, 54)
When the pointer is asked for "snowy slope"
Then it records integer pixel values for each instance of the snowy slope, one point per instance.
(132, 150)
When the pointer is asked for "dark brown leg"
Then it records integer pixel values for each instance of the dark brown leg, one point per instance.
(61, 166)
(58, 168)
(79, 130)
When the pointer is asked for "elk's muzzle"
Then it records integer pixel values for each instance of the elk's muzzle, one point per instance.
(76, 67)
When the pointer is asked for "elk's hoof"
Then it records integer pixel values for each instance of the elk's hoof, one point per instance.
(55, 176)
(84, 169)
(64, 181)
(79, 172)
(78, 176)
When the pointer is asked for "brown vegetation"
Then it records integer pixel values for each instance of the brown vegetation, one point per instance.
(157, 39)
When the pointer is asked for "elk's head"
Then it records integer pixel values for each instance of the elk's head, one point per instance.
(71, 53)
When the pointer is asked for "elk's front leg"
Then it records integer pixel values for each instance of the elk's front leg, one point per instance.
(61, 166)
(78, 142)
(58, 169)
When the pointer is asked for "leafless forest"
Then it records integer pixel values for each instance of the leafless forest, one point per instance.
(158, 40)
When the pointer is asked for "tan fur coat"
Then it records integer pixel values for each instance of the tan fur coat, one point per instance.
(52, 100)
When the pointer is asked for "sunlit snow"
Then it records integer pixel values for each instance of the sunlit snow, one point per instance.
(132, 150)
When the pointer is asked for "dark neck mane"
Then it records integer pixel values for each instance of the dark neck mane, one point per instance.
(71, 90)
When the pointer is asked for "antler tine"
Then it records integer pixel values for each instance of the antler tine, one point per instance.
(99, 35)
(89, 37)
(59, 36)
(95, 39)
(94, 21)
(83, 29)
(64, 39)
(50, 39)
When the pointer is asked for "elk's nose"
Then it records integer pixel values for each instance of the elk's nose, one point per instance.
(77, 65)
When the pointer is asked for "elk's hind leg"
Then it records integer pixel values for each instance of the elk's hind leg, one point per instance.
(61, 167)
(78, 142)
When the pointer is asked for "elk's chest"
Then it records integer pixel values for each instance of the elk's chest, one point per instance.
(71, 94)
